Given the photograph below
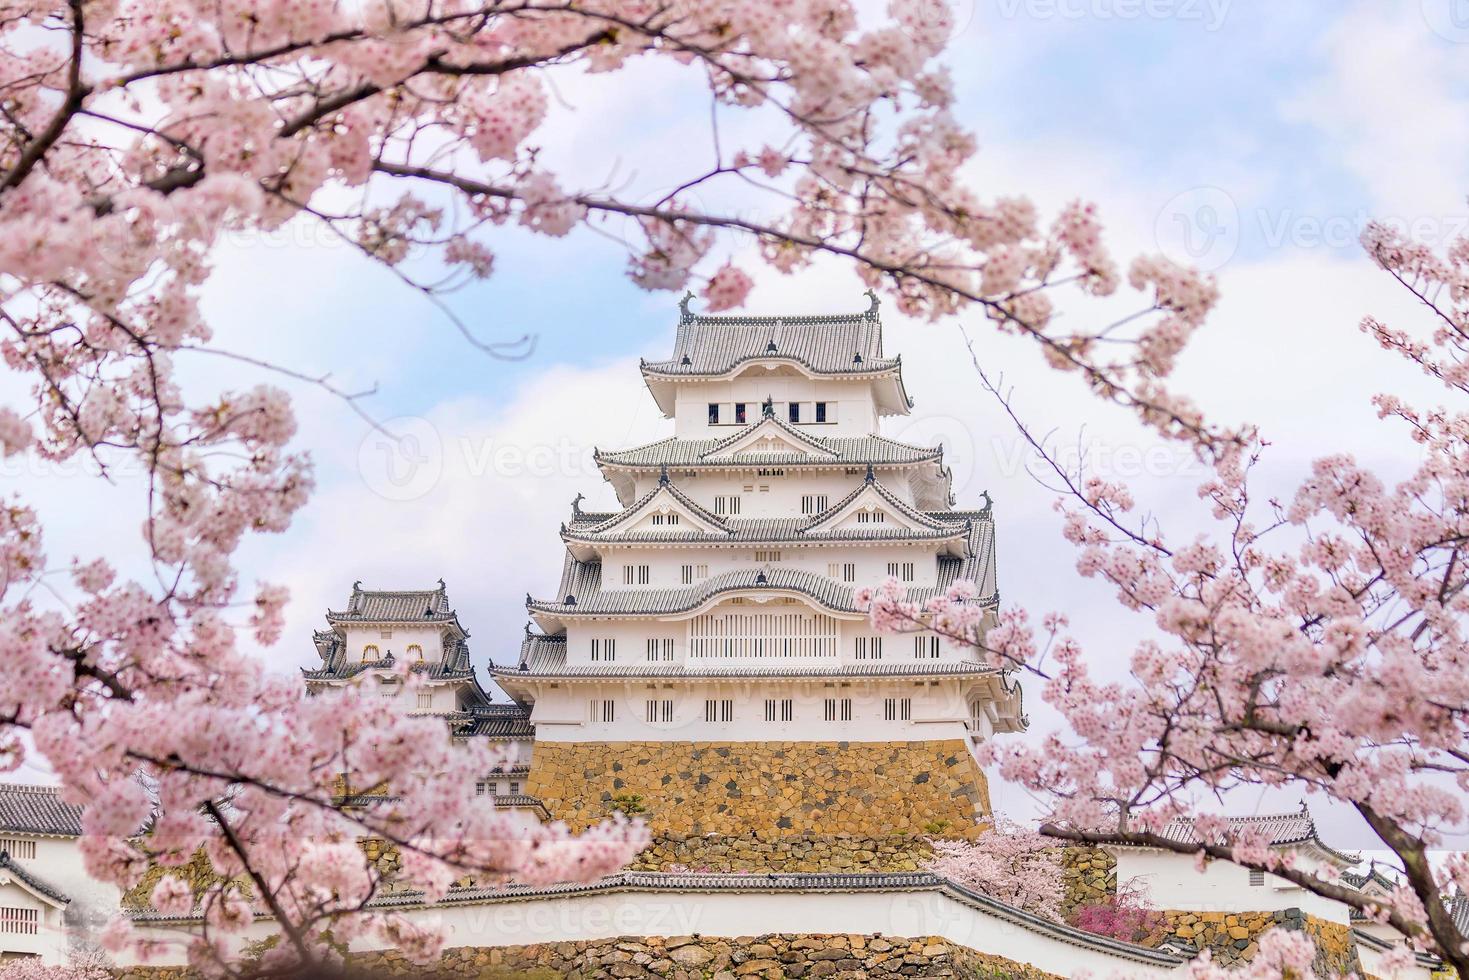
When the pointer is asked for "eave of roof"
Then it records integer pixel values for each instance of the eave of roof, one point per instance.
(31, 882)
(39, 810)
(875, 671)
(407, 607)
(845, 451)
(827, 593)
(1291, 829)
(747, 533)
(436, 670)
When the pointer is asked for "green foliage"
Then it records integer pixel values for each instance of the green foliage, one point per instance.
(628, 804)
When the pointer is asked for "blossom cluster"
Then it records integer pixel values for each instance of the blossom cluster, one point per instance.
(1316, 643)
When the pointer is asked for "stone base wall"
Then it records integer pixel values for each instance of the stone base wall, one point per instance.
(1089, 875)
(773, 789)
(806, 852)
(1233, 937)
(703, 958)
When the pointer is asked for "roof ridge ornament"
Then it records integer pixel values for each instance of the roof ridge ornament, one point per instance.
(872, 310)
(683, 306)
(767, 407)
(871, 476)
(663, 475)
(576, 504)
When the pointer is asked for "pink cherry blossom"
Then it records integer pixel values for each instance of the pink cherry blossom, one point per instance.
(1316, 644)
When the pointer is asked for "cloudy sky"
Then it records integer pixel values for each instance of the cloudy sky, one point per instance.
(1251, 136)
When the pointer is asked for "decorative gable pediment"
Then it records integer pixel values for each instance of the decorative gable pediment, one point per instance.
(663, 510)
(867, 511)
(663, 518)
(766, 437)
(871, 507)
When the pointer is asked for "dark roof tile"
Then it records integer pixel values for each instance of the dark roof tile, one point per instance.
(38, 810)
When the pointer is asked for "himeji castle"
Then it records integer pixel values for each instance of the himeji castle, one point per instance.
(702, 660)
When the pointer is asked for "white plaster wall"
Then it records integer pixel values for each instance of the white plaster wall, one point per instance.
(431, 697)
(782, 498)
(938, 711)
(58, 862)
(851, 408)
(1372, 964)
(665, 562)
(900, 914)
(359, 638)
(1173, 883)
(48, 941)
(631, 641)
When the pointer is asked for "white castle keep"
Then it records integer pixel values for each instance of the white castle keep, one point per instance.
(702, 660)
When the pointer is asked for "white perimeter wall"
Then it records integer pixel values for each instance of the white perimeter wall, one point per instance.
(1173, 883)
(900, 914)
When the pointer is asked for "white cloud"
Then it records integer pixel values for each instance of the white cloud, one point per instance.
(496, 480)
(1390, 103)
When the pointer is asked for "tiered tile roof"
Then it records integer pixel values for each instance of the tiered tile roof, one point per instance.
(409, 607)
(844, 451)
(582, 580)
(38, 810)
(1293, 828)
(763, 530)
(847, 345)
(932, 525)
(1459, 911)
(839, 343)
(827, 452)
(498, 722)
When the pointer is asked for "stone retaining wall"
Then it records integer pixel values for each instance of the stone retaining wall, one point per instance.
(1233, 937)
(1089, 875)
(806, 852)
(697, 958)
(844, 789)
